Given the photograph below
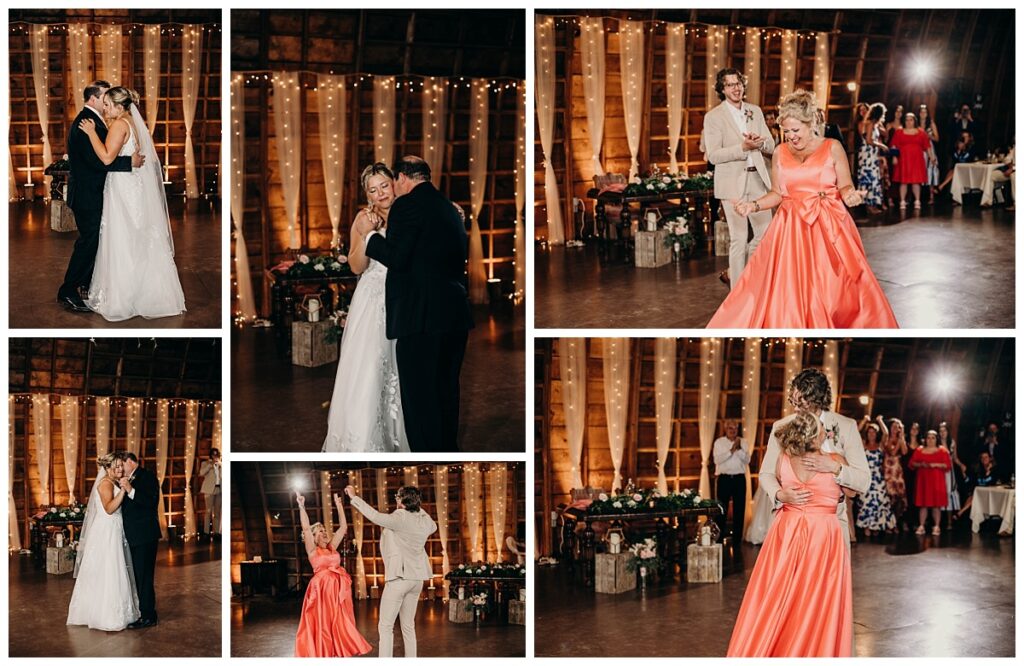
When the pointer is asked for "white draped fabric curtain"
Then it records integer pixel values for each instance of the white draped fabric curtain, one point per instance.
(473, 492)
(520, 231)
(162, 449)
(70, 427)
(246, 300)
(592, 54)
(793, 366)
(102, 427)
(110, 50)
(133, 425)
(13, 524)
(664, 402)
(191, 435)
(478, 133)
(572, 366)
(288, 141)
(544, 85)
(151, 74)
(831, 369)
(411, 476)
(441, 501)
(434, 125)
(41, 437)
(499, 506)
(788, 70)
(615, 359)
(331, 107)
(751, 404)
(191, 73)
(707, 414)
(355, 479)
(715, 46)
(752, 65)
(821, 69)
(41, 86)
(675, 79)
(80, 57)
(384, 119)
(631, 79)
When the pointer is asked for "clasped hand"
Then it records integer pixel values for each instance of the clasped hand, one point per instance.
(752, 141)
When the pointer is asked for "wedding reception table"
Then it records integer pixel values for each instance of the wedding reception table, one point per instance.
(696, 203)
(258, 575)
(993, 501)
(502, 590)
(40, 532)
(975, 176)
(286, 291)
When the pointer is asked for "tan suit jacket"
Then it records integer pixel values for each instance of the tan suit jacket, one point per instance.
(854, 475)
(722, 145)
(402, 541)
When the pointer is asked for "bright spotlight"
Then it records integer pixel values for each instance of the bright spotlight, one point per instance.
(299, 483)
(922, 69)
(944, 383)
(864, 400)
(851, 86)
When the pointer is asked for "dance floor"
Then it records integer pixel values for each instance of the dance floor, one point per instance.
(948, 597)
(262, 627)
(492, 416)
(188, 602)
(944, 268)
(39, 257)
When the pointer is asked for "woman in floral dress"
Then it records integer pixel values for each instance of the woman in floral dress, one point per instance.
(894, 449)
(953, 507)
(874, 513)
(869, 174)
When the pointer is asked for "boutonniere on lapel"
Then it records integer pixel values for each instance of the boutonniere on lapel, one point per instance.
(748, 114)
(831, 443)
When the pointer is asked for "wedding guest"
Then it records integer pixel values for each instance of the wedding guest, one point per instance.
(932, 130)
(209, 471)
(947, 442)
(909, 165)
(895, 449)
(732, 461)
(771, 121)
(869, 158)
(963, 153)
(831, 130)
(963, 121)
(874, 514)
(984, 473)
(931, 464)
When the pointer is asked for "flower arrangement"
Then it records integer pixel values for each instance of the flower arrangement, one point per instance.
(62, 164)
(323, 265)
(645, 557)
(679, 237)
(484, 570)
(643, 501)
(62, 514)
(661, 183)
(482, 600)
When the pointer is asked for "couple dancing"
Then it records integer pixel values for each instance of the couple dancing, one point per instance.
(116, 558)
(327, 627)
(799, 599)
(124, 256)
(806, 268)
(397, 386)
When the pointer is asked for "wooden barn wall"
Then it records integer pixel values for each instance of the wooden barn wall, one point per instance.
(265, 518)
(25, 135)
(973, 49)
(897, 376)
(296, 41)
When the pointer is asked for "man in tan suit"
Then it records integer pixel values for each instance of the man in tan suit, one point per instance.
(210, 472)
(735, 140)
(810, 391)
(406, 564)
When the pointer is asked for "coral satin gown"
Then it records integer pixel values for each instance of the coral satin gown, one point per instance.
(328, 625)
(810, 270)
(799, 600)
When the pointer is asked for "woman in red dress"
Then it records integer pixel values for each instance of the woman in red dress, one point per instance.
(327, 627)
(910, 165)
(931, 463)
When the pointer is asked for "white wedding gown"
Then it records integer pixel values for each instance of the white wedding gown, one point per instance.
(366, 408)
(104, 597)
(134, 274)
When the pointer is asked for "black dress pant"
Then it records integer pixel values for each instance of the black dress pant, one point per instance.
(144, 565)
(83, 258)
(732, 487)
(428, 368)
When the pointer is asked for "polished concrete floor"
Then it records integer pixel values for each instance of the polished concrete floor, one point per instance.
(951, 596)
(262, 627)
(39, 257)
(946, 267)
(188, 602)
(278, 406)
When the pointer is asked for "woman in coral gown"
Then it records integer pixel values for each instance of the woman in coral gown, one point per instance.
(810, 270)
(799, 600)
(327, 627)
(930, 463)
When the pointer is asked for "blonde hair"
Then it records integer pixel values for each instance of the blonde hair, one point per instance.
(123, 97)
(107, 461)
(796, 437)
(313, 528)
(800, 105)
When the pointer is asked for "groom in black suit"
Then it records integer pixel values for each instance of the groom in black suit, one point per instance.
(142, 530)
(85, 194)
(427, 303)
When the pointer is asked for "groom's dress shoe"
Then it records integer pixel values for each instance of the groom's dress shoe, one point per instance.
(73, 303)
(142, 624)
(724, 278)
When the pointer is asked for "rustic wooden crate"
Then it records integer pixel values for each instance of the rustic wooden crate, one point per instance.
(704, 563)
(460, 610)
(611, 575)
(60, 560)
(517, 612)
(309, 344)
(61, 217)
(721, 238)
(650, 249)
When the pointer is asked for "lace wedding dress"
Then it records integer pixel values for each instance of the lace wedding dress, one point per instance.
(104, 597)
(366, 408)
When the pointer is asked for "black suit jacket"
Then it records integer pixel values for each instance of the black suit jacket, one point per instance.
(141, 521)
(425, 251)
(832, 131)
(88, 172)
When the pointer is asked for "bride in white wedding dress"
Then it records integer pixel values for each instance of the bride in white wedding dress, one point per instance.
(134, 274)
(104, 597)
(366, 408)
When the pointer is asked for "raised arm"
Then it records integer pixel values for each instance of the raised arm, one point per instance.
(376, 517)
(364, 222)
(307, 532)
(342, 530)
(116, 137)
(110, 501)
(397, 249)
(885, 429)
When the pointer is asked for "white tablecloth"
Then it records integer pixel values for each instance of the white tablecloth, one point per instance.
(975, 176)
(993, 501)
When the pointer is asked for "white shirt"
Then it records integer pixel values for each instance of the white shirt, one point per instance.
(728, 461)
(741, 124)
